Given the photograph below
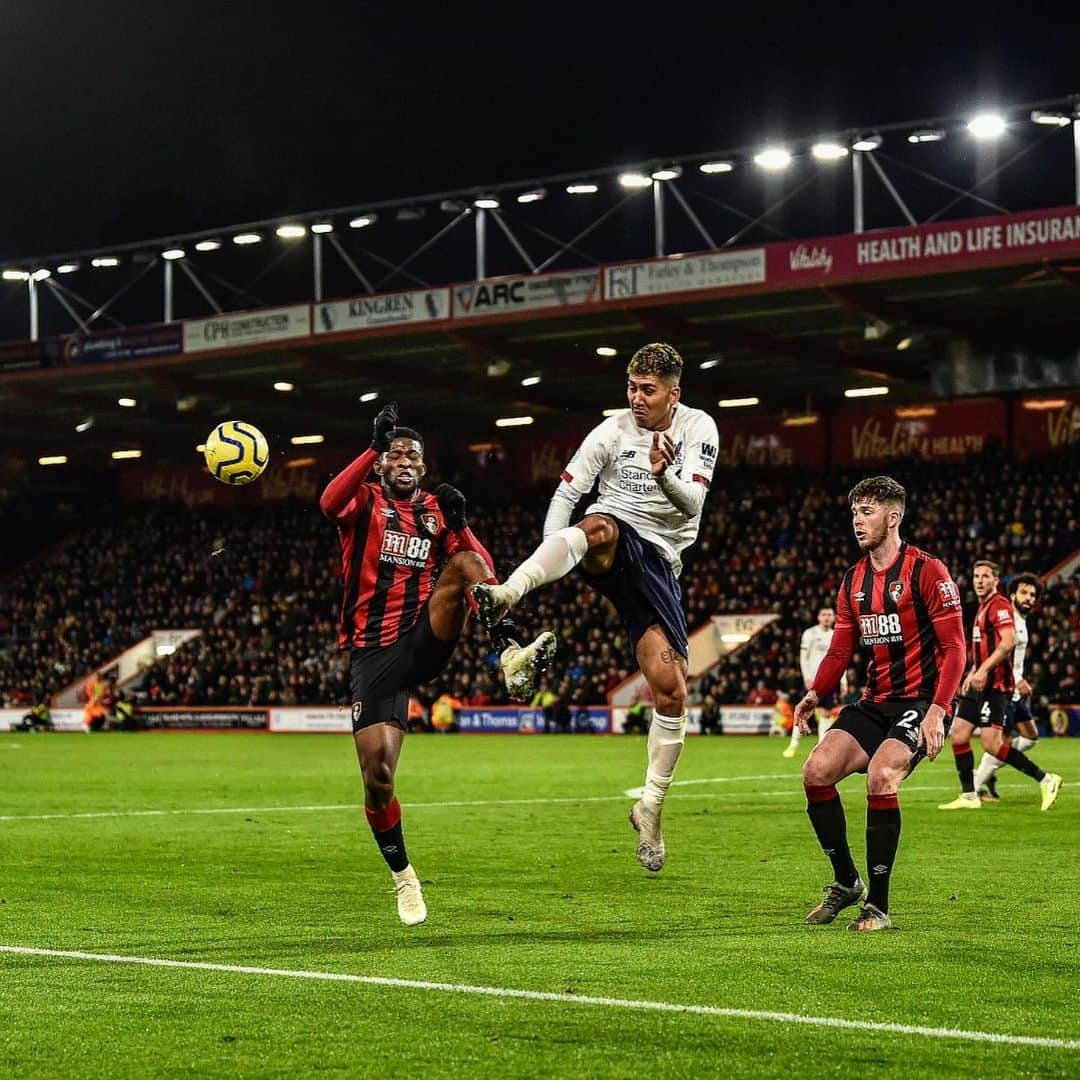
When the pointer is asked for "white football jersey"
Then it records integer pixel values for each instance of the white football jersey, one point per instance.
(815, 644)
(1020, 649)
(617, 452)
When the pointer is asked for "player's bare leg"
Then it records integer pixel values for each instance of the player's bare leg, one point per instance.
(888, 767)
(378, 748)
(449, 609)
(665, 671)
(836, 756)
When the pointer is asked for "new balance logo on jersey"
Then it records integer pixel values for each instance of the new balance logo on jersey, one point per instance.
(880, 629)
(404, 549)
(626, 455)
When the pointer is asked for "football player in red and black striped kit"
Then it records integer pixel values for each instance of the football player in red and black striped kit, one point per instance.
(409, 562)
(986, 693)
(905, 608)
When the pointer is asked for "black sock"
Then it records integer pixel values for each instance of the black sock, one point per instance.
(503, 632)
(965, 766)
(1019, 760)
(826, 814)
(386, 828)
(882, 839)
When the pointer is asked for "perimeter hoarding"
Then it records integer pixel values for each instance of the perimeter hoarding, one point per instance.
(381, 309)
(104, 348)
(1046, 424)
(532, 292)
(247, 328)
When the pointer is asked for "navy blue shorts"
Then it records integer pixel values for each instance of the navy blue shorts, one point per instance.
(643, 589)
(1016, 713)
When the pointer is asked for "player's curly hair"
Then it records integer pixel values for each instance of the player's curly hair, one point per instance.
(407, 433)
(1026, 579)
(656, 358)
(881, 489)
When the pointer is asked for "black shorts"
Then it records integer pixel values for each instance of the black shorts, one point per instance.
(870, 723)
(381, 676)
(1017, 712)
(643, 588)
(984, 708)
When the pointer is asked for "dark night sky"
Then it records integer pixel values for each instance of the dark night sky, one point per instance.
(122, 121)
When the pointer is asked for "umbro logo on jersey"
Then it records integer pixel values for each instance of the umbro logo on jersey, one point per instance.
(860, 595)
(896, 590)
(388, 511)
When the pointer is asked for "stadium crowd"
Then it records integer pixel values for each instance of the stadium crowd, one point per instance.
(263, 586)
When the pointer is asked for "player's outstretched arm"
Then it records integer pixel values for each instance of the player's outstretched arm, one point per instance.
(348, 484)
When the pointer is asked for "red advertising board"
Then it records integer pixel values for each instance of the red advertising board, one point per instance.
(768, 440)
(938, 432)
(925, 249)
(1046, 423)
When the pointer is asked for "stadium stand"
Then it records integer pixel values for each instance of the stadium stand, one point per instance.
(262, 585)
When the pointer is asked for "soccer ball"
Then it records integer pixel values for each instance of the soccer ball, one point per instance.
(236, 452)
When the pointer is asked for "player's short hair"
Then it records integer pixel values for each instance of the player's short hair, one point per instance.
(994, 568)
(1026, 579)
(407, 433)
(881, 489)
(656, 358)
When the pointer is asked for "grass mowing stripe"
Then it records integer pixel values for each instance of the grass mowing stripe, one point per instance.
(568, 999)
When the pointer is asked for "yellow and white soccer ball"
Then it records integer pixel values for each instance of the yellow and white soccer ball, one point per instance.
(236, 452)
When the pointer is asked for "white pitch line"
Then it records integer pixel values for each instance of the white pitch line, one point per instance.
(566, 999)
(791, 792)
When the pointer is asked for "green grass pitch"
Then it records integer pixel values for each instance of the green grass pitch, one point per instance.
(531, 884)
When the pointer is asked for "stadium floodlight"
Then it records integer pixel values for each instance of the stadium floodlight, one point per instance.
(165, 650)
(866, 143)
(124, 455)
(904, 343)
(866, 391)
(486, 202)
(513, 421)
(531, 380)
(1039, 404)
(712, 362)
(532, 196)
(84, 425)
(105, 262)
(926, 135)
(829, 151)
(304, 440)
(1052, 119)
(453, 206)
(371, 395)
(201, 448)
(614, 412)
(668, 172)
(711, 167)
(208, 245)
(409, 213)
(321, 227)
(734, 639)
(635, 180)
(246, 238)
(291, 231)
(172, 254)
(773, 158)
(284, 387)
(738, 402)
(582, 189)
(987, 125)
(606, 350)
(55, 459)
(15, 275)
(67, 268)
(800, 421)
(363, 221)
(126, 402)
(41, 275)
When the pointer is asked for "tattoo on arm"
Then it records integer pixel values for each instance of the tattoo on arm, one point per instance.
(668, 656)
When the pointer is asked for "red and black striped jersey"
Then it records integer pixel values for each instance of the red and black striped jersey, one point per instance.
(994, 615)
(908, 617)
(391, 552)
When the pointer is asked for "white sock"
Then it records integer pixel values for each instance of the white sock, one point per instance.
(556, 556)
(1022, 743)
(988, 765)
(824, 722)
(666, 737)
(796, 735)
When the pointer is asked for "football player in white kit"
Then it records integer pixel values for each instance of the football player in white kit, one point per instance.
(1024, 590)
(654, 462)
(815, 644)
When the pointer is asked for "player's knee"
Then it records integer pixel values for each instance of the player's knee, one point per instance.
(816, 771)
(672, 702)
(600, 529)
(882, 779)
(467, 566)
(378, 784)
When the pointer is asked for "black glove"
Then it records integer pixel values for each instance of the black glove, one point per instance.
(385, 422)
(452, 505)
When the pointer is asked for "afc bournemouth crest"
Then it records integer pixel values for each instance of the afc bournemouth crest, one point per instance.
(430, 522)
(357, 712)
(896, 590)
